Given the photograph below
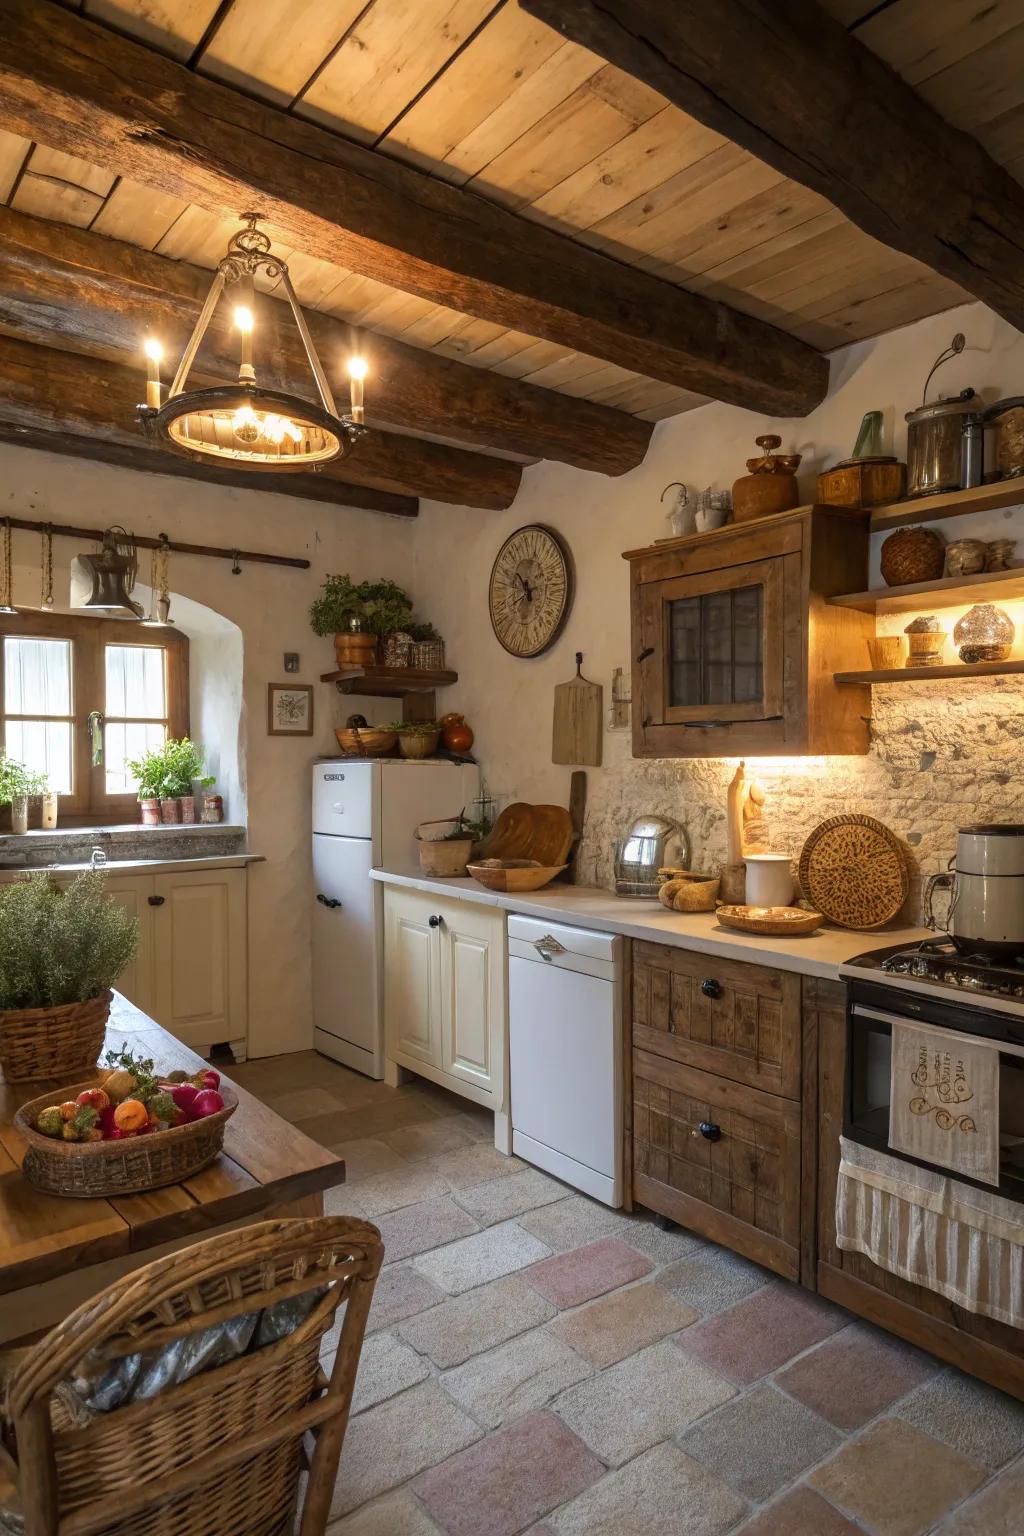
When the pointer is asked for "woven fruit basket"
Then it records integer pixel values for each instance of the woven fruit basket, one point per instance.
(54, 1041)
(88, 1170)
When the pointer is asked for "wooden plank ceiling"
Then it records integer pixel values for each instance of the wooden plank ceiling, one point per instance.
(481, 95)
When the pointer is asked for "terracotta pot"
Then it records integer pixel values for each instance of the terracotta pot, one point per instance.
(355, 650)
(213, 809)
(169, 813)
(150, 812)
(188, 809)
(771, 484)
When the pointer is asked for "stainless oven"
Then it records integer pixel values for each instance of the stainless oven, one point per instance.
(872, 1009)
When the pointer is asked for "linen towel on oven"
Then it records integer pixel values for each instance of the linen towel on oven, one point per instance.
(965, 1243)
(944, 1100)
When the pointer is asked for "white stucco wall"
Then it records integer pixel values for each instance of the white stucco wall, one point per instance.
(269, 606)
(942, 753)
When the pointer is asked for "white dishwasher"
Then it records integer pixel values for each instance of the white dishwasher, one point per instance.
(565, 1053)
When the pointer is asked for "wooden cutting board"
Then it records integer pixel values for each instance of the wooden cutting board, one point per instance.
(578, 722)
(541, 832)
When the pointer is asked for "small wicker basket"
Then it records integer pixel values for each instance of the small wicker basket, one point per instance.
(87, 1170)
(418, 743)
(427, 655)
(397, 648)
(53, 1042)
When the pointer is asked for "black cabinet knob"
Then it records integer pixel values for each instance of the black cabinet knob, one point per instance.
(710, 1131)
(710, 987)
(434, 921)
(156, 901)
(328, 901)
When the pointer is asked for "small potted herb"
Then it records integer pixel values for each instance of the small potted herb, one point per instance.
(445, 846)
(17, 783)
(167, 775)
(358, 615)
(60, 953)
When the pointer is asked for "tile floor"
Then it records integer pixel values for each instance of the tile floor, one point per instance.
(537, 1363)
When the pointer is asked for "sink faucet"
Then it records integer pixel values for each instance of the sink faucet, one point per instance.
(98, 859)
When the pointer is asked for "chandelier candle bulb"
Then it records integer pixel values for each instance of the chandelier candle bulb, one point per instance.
(357, 370)
(154, 357)
(244, 322)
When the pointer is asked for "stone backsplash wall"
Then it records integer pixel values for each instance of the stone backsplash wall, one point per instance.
(942, 755)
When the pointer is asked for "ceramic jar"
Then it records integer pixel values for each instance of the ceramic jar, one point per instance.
(769, 879)
(49, 810)
(19, 815)
(770, 484)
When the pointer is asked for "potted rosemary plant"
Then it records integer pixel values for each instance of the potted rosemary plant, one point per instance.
(61, 950)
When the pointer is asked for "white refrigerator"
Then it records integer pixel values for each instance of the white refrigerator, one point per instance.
(365, 815)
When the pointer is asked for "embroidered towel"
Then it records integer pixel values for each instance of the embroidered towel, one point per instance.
(962, 1242)
(944, 1100)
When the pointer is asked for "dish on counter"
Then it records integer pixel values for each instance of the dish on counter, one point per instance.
(770, 920)
(513, 874)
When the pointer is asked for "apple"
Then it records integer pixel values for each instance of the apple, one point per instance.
(208, 1102)
(185, 1095)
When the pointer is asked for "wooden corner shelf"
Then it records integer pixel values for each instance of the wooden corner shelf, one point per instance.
(931, 509)
(987, 586)
(388, 682)
(932, 674)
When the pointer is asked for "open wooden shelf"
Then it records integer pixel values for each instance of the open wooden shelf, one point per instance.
(948, 591)
(388, 682)
(931, 509)
(932, 674)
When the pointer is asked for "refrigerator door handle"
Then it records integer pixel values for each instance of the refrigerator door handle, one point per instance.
(328, 901)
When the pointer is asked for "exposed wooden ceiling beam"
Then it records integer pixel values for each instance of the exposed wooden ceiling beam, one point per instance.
(106, 395)
(70, 84)
(85, 407)
(789, 84)
(100, 296)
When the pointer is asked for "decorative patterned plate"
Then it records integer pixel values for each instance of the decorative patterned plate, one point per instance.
(853, 870)
(774, 920)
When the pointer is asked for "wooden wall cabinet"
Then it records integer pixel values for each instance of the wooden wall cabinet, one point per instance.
(735, 644)
(444, 992)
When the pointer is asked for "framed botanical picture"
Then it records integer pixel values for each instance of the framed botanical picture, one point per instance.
(289, 709)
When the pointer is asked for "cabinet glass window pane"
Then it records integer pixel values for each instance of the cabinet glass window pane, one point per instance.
(135, 682)
(123, 740)
(37, 676)
(716, 644)
(45, 747)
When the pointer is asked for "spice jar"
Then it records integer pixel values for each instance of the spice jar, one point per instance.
(926, 639)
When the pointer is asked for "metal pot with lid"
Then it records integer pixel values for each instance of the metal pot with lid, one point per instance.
(986, 878)
(944, 439)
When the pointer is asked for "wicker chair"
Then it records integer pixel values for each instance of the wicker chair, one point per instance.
(221, 1454)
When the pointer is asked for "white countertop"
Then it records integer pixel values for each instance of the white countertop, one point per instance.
(815, 954)
(139, 866)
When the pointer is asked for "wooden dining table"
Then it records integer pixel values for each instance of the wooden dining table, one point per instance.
(55, 1252)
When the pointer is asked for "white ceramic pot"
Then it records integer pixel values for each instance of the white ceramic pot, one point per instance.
(769, 880)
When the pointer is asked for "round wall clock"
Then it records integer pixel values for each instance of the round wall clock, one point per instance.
(531, 590)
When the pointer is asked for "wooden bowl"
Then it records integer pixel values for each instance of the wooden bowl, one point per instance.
(770, 920)
(366, 742)
(89, 1170)
(514, 874)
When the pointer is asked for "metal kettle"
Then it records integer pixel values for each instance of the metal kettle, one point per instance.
(651, 843)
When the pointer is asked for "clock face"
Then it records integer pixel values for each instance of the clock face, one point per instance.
(531, 590)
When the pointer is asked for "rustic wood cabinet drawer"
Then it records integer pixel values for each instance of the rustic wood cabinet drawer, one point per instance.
(720, 1158)
(725, 1016)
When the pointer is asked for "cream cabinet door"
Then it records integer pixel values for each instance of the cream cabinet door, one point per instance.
(199, 939)
(135, 894)
(411, 977)
(473, 993)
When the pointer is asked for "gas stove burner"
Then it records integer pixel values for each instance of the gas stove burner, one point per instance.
(938, 960)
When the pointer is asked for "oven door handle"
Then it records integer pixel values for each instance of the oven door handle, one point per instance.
(859, 1011)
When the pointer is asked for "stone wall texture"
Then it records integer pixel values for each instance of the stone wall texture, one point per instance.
(942, 756)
